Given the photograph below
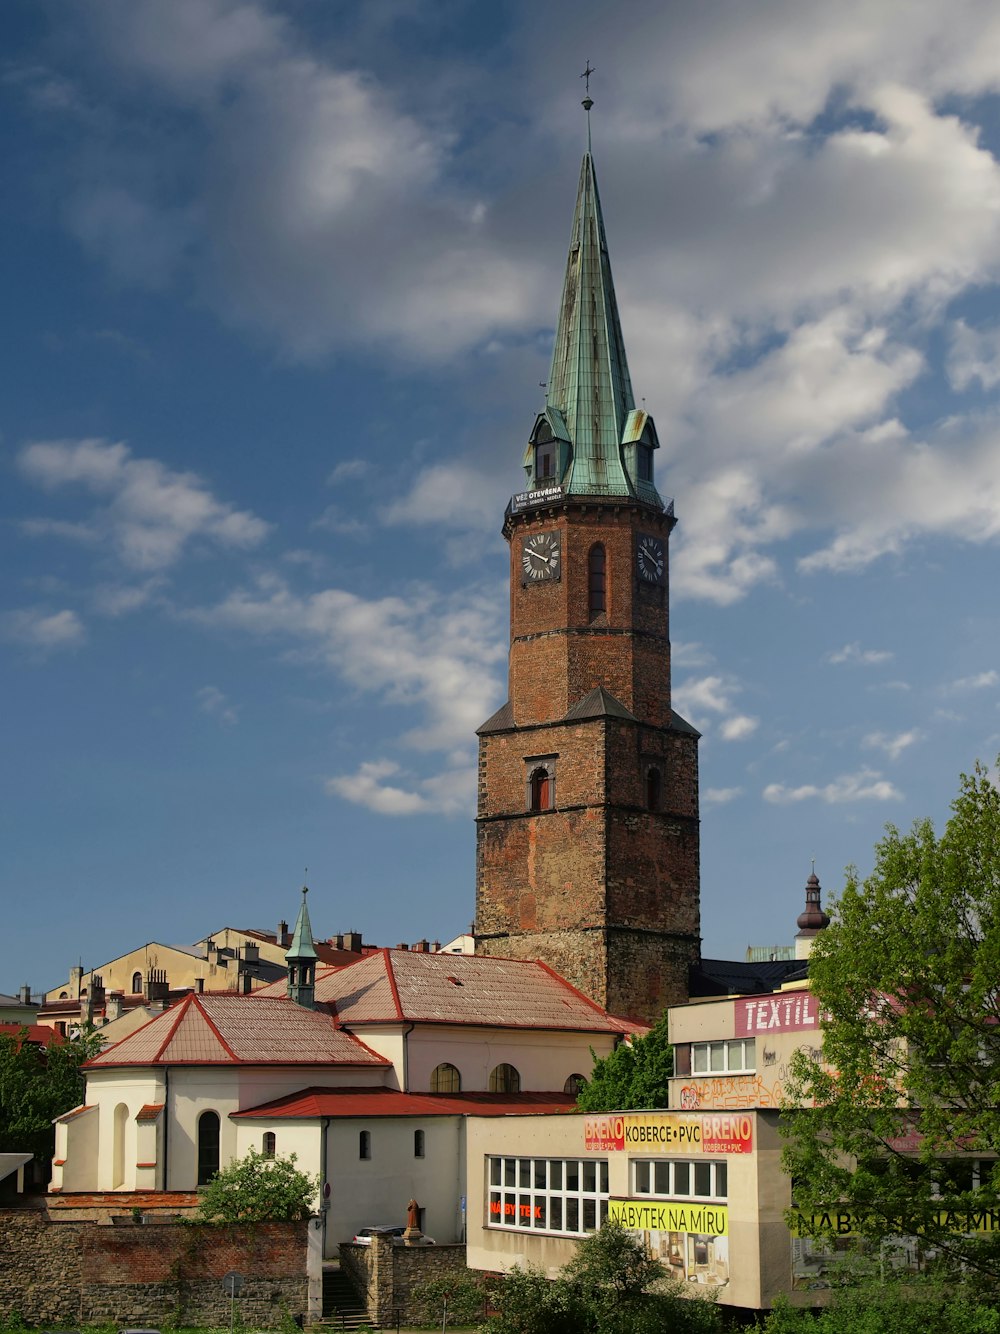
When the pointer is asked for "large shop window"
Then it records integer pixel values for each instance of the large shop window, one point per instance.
(674, 1179)
(738, 1056)
(567, 1195)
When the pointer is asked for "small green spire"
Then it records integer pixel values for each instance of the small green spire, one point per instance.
(301, 958)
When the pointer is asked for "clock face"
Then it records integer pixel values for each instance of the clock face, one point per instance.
(540, 557)
(651, 559)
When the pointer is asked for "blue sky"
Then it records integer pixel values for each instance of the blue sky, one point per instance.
(279, 285)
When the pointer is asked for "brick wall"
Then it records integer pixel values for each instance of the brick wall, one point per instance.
(385, 1275)
(71, 1273)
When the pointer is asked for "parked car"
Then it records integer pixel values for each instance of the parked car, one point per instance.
(363, 1237)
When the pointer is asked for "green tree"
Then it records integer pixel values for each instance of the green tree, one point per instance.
(37, 1084)
(611, 1286)
(256, 1189)
(908, 980)
(879, 1307)
(635, 1075)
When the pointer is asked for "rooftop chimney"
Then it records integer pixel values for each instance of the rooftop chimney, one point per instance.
(284, 940)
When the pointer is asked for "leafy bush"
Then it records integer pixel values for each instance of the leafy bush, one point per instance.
(256, 1189)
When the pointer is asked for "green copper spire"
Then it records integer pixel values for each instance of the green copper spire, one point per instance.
(301, 958)
(591, 438)
(589, 381)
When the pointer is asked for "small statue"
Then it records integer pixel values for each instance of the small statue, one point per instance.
(413, 1216)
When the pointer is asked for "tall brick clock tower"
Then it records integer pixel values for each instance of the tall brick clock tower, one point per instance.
(587, 843)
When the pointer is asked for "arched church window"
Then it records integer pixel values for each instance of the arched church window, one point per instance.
(541, 793)
(418, 1144)
(596, 580)
(365, 1144)
(445, 1078)
(268, 1144)
(136, 984)
(505, 1078)
(653, 788)
(574, 1085)
(208, 1147)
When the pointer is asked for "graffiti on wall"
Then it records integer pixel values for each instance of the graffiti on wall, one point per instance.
(764, 1089)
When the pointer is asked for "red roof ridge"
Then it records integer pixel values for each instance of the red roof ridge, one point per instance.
(182, 1009)
(214, 1027)
(576, 991)
(392, 983)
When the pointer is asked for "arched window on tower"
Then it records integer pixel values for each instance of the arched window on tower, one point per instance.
(137, 984)
(505, 1078)
(540, 790)
(596, 581)
(653, 788)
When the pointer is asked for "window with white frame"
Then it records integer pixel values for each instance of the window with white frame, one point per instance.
(737, 1056)
(679, 1179)
(568, 1195)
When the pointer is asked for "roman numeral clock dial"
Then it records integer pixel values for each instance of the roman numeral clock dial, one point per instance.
(650, 559)
(540, 557)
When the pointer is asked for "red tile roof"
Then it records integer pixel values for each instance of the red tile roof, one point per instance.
(315, 1102)
(149, 1112)
(228, 1028)
(407, 986)
(40, 1034)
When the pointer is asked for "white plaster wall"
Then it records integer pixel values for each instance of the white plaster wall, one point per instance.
(545, 1060)
(389, 1041)
(375, 1191)
(77, 1144)
(301, 1138)
(105, 1090)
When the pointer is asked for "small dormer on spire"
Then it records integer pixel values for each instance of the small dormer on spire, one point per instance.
(301, 959)
(812, 920)
(591, 440)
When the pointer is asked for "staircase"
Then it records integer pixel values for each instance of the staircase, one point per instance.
(341, 1308)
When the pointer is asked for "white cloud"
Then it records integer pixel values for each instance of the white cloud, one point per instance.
(697, 697)
(738, 728)
(720, 796)
(853, 652)
(865, 785)
(456, 493)
(116, 600)
(44, 631)
(439, 654)
(892, 745)
(450, 793)
(973, 354)
(981, 681)
(348, 470)
(150, 514)
(212, 701)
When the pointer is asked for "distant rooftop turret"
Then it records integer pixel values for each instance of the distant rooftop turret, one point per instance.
(811, 920)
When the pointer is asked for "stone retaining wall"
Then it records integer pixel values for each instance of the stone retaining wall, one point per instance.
(72, 1273)
(385, 1275)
